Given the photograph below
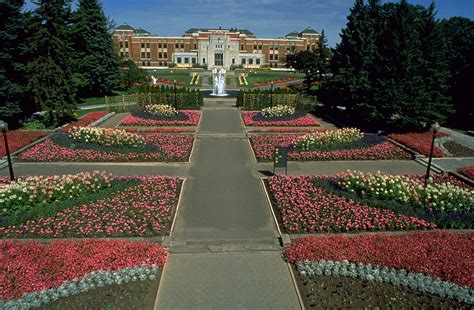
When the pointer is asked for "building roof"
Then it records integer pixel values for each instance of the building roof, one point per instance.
(245, 31)
(141, 30)
(309, 30)
(293, 34)
(194, 30)
(124, 27)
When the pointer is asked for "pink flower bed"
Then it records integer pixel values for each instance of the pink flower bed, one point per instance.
(440, 254)
(305, 208)
(145, 209)
(287, 130)
(263, 146)
(420, 142)
(33, 267)
(85, 120)
(160, 130)
(171, 148)
(307, 120)
(193, 120)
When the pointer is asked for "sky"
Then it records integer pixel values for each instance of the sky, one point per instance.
(265, 18)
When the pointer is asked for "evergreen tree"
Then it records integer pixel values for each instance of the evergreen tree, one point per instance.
(50, 78)
(459, 34)
(12, 72)
(96, 62)
(324, 56)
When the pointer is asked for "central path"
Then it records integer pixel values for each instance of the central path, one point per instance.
(224, 208)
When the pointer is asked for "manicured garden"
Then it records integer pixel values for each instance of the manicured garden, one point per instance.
(420, 142)
(358, 202)
(296, 118)
(20, 138)
(87, 205)
(342, 144)
(38, 274)
(387, 271)
(103, 144)
(161, 115)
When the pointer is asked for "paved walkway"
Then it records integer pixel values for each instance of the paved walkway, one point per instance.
(460, 137)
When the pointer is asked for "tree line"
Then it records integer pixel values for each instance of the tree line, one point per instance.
(52, 56)
(397, 67)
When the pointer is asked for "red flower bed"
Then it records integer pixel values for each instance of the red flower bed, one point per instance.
(302, 121)
(467, 171)
(263, 146)
(31, 266)
(446, 255)
(273, 81)
(19, 138)
(166, 81)
(85, 120)
(420, 142)
(305, 208)
(159, 130)
(193, 120)
(287, 130)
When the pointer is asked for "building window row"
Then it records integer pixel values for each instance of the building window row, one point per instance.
(180, 60)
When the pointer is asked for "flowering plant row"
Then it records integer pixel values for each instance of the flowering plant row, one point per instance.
(93, 280)
(287, 130)
(85, 120)
(306, 208)
(20, 138)
(106, 136)
(467, 171)
(375, 273)
(444, 196)
(420, 142)
(161, 109)
(33, 267)
(430, 253)
(273, 81)
(168, 148)
(191, 119)
(169, 82)
(278, 111)
(38, 191)
(263, 146)
(329, 137)
(248, 118)
(160, 130)
(143, 209)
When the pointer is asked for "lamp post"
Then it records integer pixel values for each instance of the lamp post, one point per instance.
(4, 128)
(271, 94)
(175, 103)
(126, 68)
(434, 130)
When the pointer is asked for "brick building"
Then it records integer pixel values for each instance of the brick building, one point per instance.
(210, 47)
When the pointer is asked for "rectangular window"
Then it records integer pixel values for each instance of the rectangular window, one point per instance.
(143, 63)
(159, 45)
(126, 44)
(165, 55)
(143, 45)
(176, 45)
(160, 63)
(243, 61)
(275, 57)
(143, 55)
(255, 47)
(159, 55)
(148, 55)
(178, 60)
(148, 63)
(203, 60)
(257, 61)
(218, 59)
(165, 63)
(121, 54)
(195, 46)
(193, 60)
(186, 60)
(271, 56)
(241, 47)
(260, 47)
(182, 45)
(147, 44)
(250, 61)
(233, 60)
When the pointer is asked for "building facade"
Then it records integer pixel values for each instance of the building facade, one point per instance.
(214, 48)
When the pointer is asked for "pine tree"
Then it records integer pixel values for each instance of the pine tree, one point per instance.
(96, 62)
(50, 77)
(324, 55)
(12, 72)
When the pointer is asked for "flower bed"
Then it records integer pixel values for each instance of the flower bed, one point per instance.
(142, 207)
(163, 147)
(278, 111)
(287, 130)
(19, 138)
(106, 136)
(467, 171)
(273, 81)
(32, 270)
(420, 142)
(191, 119)
(26, 193)
(161, 109)
(169, 82)
(250, 118)
(85, 120)
(304, 207)
(430, 253)
(329, 138)
(160, 130)
(371, 147)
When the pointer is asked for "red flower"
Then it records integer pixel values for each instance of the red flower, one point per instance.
(467, 171)
(85, 120)
(420, 142)
(19, 138)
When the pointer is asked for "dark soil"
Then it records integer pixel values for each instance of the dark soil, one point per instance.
(143, 114)
(322, 292)
(258, 117)
(367, 141)
(134, 295)
(458, 150)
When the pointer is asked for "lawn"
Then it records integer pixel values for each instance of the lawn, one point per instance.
(180, 75)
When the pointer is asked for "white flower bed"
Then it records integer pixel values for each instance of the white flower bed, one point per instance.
(161, 110)
(278, 111)
(91, 281)
(330, 137)
(417, 281)
(106, 136)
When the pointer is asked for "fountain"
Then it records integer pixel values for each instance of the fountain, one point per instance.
(218, 84)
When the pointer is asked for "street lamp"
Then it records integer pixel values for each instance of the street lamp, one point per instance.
(271, 94)
(4, 128)
(175, 103)
(434, 130)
